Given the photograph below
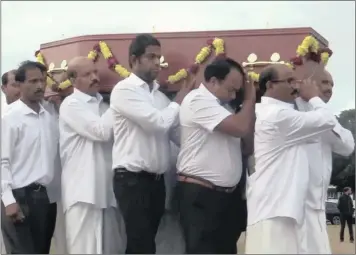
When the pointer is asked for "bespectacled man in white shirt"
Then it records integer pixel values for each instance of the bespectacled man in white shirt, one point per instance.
(144, 122)
(278, 188)
(338, 140)
(28, 165)
(210, 160)
(85, 125)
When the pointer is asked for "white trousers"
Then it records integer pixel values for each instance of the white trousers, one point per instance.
(59, 245)
(114, 232)
(273, 236)
(314, 233)
(84, 228)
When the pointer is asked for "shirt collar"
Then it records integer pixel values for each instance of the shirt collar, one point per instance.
(270, 100)
(135, 80)
(208, 93)
(27, 110)
(85, 97)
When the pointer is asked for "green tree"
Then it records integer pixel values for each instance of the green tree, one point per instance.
(344, 167)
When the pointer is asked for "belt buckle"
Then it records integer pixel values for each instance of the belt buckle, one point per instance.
(157, 177)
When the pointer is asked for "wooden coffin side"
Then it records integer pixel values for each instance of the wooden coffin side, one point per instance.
(179, 49)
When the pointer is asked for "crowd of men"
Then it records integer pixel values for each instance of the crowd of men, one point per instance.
(111, 167)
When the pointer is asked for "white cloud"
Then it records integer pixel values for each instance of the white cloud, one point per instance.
(25, 25)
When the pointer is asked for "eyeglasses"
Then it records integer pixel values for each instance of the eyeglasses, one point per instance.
(291, 81)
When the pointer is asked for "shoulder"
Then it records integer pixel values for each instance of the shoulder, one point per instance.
(195, 97)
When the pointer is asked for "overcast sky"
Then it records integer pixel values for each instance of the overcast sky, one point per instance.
(25, 25)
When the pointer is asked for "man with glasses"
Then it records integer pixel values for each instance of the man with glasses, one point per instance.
(338, 140)
(278, 187)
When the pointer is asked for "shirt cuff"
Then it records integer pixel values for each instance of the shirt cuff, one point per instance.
(174, 105)
(337, 129)
(317, 102)
(8, 198)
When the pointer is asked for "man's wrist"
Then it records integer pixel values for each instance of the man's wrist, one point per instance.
(8, 198)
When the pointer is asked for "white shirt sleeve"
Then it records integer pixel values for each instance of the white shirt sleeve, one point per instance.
(132, 104)
(9, 136)
(341, 140)
(85, 122)
(207, 112)
(300, 127)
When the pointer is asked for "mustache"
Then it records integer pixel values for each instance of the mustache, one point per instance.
(94, 82)
(39, 91)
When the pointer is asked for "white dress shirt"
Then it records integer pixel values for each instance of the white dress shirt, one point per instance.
(29, 144)
(340, 141)
(144, 122)
(205, 153)
(278, 186)
(85, 125)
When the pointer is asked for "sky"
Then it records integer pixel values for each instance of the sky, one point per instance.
(25, 25)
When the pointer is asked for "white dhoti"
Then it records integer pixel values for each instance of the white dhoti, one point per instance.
(273, 236)
(59, 245)
(114, 233)
(314, 233)
(84, 228)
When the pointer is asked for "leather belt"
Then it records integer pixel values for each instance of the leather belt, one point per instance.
(36, 187)
(204, 183)
(141, 173)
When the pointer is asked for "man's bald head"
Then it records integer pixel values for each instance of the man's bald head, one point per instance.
(83, 74)
(277, 81)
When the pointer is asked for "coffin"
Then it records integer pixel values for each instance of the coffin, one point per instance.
(253, 48)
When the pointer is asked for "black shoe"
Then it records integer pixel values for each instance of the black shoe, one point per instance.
(351, 240)
(341, 240)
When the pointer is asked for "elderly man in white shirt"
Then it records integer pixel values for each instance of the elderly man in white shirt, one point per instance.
(85, 137)
(278, 187)
(209, 162)
(29, 152)
(338, 140)
(144, 119)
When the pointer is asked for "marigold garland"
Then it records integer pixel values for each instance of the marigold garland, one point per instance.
(309, 48)
(217, 44)
(40, 59)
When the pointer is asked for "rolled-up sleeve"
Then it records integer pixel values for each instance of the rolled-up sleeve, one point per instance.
(300, 127)
(342, 141)
(207, 112)
(8, 139)
(86, 123)
(132, 104)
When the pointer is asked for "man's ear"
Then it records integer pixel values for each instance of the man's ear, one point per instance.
(269, 85)
(3, 87)
(132, 60)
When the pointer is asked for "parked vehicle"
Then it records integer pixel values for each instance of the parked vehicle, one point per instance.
(333, 213)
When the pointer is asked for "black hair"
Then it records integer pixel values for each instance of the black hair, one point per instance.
(71, 74)
(220, 68)
(140, 43)
(266, 75)
(5, 77)
(20, 75)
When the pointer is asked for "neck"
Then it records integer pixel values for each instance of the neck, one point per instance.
(34, 105)
(144, 78)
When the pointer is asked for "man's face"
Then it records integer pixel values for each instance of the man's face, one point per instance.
(227, 88)
(33, 87)
(11, 89)
(325, 84)
(285, 85)
(148, 65)
(87, 79)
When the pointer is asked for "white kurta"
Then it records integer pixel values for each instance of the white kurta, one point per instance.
(281, 134)
(85, 141)
(340, 141)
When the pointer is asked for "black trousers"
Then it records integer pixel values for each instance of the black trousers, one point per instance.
(34, 234)
(141, 198)
(209, 219)
(345, 218)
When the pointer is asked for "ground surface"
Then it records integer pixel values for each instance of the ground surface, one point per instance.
(333, 230)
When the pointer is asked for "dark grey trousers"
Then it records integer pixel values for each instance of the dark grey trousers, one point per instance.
(34, 233)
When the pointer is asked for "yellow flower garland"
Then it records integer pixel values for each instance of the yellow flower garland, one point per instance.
(204, 53)
(324, 57)
(40, 59)
(309, 44)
